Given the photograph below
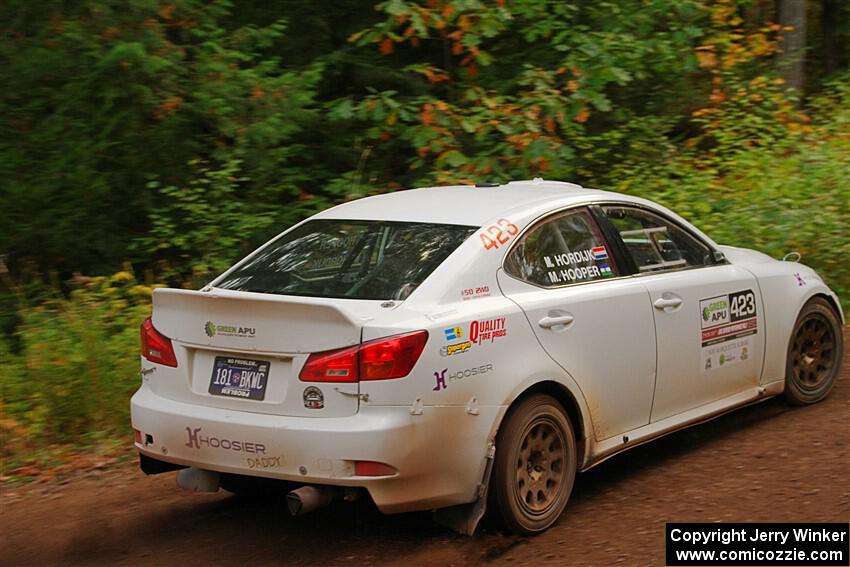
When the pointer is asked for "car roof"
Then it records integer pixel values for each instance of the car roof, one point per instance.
(465, 204)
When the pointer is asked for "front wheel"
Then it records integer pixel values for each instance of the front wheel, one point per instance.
(535, 465)
(814, 354)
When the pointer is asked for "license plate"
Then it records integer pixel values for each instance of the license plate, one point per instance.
(239, 378)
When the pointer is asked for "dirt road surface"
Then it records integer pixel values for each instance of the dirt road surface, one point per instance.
(768, 462)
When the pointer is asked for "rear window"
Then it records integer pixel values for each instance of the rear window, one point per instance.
(352, 259)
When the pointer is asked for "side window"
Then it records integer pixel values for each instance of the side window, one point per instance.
(564, 249)
(655, 243)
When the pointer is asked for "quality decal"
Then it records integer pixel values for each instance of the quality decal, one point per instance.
(480, 331)
(487, 330)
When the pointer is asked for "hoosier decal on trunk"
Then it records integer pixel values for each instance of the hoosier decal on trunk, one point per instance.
(726, 322)
(199, 441)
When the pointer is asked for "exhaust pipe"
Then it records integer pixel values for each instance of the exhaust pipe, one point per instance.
(198, 480)
(308, 498)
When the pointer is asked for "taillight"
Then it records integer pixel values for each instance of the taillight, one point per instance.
(394, 357)
(381, 359)
(331, 366)
(156, 347)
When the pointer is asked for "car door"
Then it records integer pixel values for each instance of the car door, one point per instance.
(595, 324)
(708, 321)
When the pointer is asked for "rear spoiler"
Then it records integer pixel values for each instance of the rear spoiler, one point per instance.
(254, 321)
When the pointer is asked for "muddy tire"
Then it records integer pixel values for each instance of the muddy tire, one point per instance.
(535, 465)
(814, 353)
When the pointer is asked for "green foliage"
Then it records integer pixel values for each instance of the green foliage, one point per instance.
(766, 184)
(79, 361)
(203, 225)
(104, 96)
(566, 73)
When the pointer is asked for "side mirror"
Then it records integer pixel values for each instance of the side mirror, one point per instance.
(719, 257)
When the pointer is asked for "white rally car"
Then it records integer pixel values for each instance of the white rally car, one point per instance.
(446, 347)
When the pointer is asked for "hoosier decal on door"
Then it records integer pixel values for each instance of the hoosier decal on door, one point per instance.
(726, 322)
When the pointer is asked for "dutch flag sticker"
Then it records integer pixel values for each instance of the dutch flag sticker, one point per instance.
(599, 253)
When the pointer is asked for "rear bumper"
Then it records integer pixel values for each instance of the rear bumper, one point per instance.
(439, 455)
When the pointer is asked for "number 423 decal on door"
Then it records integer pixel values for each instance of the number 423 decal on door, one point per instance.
(497, 234)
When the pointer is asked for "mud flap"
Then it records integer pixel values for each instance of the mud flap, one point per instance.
(464, 518)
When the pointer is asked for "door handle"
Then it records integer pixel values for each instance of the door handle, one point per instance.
(666, 302)
(549, 322)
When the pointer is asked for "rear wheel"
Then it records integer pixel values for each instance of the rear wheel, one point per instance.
(535, 465)
(814, 354)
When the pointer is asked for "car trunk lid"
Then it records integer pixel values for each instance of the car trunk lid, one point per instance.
(244, 351)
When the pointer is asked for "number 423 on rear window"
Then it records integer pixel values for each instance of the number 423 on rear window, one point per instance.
(498, 234)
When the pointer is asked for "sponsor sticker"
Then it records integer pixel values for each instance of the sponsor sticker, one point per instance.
(726, 322)
(212, 329)
(453, 333)
(456, 348)
(197, 440)
(726, 354)
(487, 330)
(475, 292)
(313, 398)
(440, 377)
(714, 311)
(443, 381)
(480, 331)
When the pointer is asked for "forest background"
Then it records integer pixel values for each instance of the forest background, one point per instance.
(147, 143)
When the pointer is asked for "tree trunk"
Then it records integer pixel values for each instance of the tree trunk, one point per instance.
(791, 59)
(830, 14)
